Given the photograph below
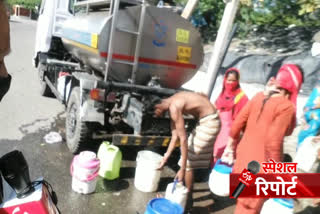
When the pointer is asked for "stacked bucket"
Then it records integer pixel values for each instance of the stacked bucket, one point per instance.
(84, 170)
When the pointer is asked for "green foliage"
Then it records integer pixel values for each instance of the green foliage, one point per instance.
(264, 13)
(211, 11)
(30, 4)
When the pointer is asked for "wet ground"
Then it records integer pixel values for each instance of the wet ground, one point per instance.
(52, 161)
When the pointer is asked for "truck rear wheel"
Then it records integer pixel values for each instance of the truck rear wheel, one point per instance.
(44, 88)
(77, 132)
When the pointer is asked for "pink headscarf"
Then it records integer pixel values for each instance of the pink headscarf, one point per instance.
(290, 78)
(225, 101)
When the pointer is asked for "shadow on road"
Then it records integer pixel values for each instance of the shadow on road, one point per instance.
(127, 172)
(117, 185)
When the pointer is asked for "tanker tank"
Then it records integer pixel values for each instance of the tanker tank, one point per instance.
(171, 48)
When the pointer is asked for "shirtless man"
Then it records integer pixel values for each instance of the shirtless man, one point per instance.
(196, 151)
(5, 78)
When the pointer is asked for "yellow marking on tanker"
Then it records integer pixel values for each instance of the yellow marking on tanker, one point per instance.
(94, 40)
(182, 35)
(137, 142)
(178, 143)
(151, 141)
(124, 140)
(85, 47)
(166, 141)
(184, 54)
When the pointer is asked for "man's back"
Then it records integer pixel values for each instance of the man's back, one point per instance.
(192, 103)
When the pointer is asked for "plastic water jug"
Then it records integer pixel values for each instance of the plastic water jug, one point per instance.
(110, 158)
(306, 155)
(177, 193)
(64, 84)
(278, 205)
(219, 179)
(84, 170)
(147, 176)
(163, 206)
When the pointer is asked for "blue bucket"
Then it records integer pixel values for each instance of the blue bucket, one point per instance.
(222, 167)
(163, 206)
(285, 202)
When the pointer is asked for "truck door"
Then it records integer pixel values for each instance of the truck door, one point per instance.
(63, 12)
(44, 28)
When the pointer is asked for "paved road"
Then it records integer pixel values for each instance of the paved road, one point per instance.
(26, 117)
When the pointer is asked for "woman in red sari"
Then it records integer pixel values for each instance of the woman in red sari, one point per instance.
(267, 119)
(229, 103)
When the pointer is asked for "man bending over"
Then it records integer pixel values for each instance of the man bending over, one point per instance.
(196, 151)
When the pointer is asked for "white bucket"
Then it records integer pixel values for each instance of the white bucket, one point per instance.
(177, 193)
(64, 89)
(147, 176)
(84, 170)
(278, 205)
(219, 179)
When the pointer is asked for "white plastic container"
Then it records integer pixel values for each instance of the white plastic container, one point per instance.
(147, 176)
(219, 179)
(62, 87)
(177, 193)
(84, 187)
(307, 154)
(84, 170)
(278, 205)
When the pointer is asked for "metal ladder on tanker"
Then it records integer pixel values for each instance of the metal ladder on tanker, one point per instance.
(113, 10)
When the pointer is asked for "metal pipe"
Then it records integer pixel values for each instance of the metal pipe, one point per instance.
(135, 88)
(234, 29)
(220, 44)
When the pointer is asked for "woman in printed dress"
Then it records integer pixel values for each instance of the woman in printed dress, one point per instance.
(311, 113)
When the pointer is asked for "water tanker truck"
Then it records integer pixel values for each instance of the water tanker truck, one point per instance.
(109, 62)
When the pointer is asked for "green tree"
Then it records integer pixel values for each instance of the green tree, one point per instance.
(280, 13)
(30, 4)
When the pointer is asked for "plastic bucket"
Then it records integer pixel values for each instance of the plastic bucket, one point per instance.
(163, 206)
(110, 158)
(177, 193)
(84, 170)
(147, 176)
(219, 179)
(278, 205)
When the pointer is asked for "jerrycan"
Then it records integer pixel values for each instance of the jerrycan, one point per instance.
(110, 158)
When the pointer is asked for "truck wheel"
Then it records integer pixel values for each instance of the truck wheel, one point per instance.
(77, 131)
(44, 88)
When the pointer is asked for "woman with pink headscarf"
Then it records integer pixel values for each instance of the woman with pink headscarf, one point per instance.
(267, 119)
(229, 103)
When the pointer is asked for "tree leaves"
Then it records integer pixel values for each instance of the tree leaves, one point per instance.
(30, 4)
